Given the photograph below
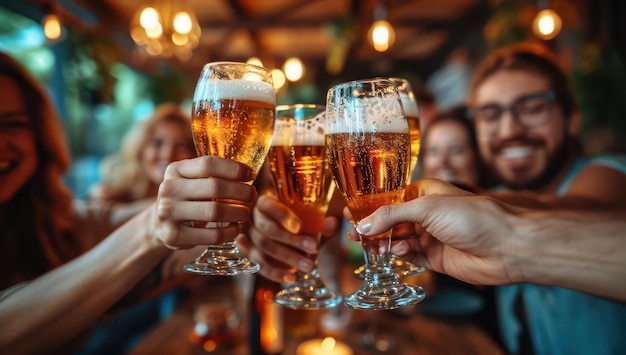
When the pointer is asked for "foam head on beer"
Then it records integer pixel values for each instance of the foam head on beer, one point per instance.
(367, 114)
(235, 89)
(299, 131)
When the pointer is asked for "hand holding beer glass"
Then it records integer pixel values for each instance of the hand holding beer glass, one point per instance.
(297, 161)
(401, 267)
(233, 118)
(368, 147)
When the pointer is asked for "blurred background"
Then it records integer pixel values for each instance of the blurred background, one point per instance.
(107, 63)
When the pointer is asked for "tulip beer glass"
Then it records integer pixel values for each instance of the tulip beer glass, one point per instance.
(399, 266)
(233, 118)
(297, 161)
(368, 147)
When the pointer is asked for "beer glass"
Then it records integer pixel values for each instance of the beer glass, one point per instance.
(233, 118)
(368, 147)
(297, 162)
(401, 267)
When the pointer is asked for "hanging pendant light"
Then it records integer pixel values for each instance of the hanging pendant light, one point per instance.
(381, 34)
(52, 25)
(166, 28)
(547, 23)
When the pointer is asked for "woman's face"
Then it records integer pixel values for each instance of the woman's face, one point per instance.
(170, 141)
(18, 151)
(448, 154)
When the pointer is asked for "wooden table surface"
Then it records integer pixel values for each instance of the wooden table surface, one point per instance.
(405, 331)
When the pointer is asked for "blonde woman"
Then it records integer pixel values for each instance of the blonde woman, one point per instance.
(135, 172)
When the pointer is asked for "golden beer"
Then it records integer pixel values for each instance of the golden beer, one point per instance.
(238, 129)
(232, 117)
(303, 182)
(297, 162)
(412, 116)
(369, 152)
(369, 169)
(415, 136)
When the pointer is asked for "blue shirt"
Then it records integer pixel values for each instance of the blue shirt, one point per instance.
(563, 321)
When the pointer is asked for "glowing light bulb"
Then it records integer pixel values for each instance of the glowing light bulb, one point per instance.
(149, 18)
(154, 32)
(52, 27)
(182, 23)
(382, 35)
(293, 68)
(547, 24)
(180, 39)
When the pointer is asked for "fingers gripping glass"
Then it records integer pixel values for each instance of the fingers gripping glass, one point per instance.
(399, 266)
(297, 161)
(232, 118)
(529, 111)
(368, 149)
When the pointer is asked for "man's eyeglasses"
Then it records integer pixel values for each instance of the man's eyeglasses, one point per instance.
(529, 111)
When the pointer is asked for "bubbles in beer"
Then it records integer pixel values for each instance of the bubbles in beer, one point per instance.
(308, 132)
(371, 114)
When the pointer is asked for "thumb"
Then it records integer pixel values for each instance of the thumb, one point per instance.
(433, 187)
(386, 217)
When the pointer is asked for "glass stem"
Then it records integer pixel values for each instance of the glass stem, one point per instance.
(377, 255)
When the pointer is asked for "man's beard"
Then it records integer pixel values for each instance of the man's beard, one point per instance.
(556, 161)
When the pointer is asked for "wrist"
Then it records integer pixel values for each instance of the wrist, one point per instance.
(145, 222)
(542, 248)
(521, 259)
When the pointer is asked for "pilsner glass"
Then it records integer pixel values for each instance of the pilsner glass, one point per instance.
(401, 267)
(368, 147)
(233, 118)
(297, 161)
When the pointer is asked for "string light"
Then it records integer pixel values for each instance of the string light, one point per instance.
(381, 34)
(293, 68)
(52, 27)
(51, 23)
(166, 28)
(547, 24)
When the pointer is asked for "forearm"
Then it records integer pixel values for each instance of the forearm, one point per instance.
(61, 304)
(581, 250)
(122, 212)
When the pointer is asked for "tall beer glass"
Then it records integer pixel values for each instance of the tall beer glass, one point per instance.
(233, 118)
(368, 147)
(297, 161)
(399, 266)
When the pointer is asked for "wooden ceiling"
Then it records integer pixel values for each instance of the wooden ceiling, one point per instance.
(427, 31)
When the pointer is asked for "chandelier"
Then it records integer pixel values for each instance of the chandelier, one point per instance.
(166, 28)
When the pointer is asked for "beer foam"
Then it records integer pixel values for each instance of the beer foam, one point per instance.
(236, 89)
(289, 132)
(366, 114)
(410, 107)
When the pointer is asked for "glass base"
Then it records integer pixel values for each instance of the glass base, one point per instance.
(384, 292)
(399, 267)
(308, 292)
(222, 260)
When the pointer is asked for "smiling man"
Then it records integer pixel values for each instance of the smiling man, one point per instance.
(527, 124)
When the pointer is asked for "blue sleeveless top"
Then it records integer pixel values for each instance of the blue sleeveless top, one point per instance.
(559, 320)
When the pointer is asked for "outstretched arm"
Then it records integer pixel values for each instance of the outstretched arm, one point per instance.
(61, 304)
(482, 240)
